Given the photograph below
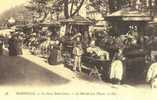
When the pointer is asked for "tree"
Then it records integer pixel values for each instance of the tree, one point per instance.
(101, 6)
(73, 12)
(39, 9)
(104, 6)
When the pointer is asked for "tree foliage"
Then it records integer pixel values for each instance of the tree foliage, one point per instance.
(108, 6)
(39, 9)
(42, 8)
(77, 3)
(100, 5)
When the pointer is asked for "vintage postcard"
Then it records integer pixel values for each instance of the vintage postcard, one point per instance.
(57, 49)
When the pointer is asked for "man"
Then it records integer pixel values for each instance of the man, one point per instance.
(77, 51)
(152, 74)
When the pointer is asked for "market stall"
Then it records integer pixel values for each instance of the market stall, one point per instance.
(78, 23)
(126, 22)
(74, 26)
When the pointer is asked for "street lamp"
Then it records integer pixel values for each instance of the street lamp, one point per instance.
(11, 21)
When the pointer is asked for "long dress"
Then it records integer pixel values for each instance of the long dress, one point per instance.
(12, 47)
(1, 46)
(116, 70)
(55, 55)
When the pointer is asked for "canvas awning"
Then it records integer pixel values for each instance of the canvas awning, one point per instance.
(79, 20)
(126, 14)
(52, 23)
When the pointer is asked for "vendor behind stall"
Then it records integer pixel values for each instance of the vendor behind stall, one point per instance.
(92, 49)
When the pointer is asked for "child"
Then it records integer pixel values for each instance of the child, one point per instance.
(77, 51)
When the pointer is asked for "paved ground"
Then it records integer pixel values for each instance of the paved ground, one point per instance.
(32, 73)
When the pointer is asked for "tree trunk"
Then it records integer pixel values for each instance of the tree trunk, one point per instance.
(71, 10)
(150, 7)
(111, 6)
(78, 8)
(66, 12)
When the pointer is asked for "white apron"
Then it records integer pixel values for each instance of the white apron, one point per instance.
(116, 70)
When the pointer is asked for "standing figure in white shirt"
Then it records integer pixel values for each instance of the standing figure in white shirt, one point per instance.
(77, 52)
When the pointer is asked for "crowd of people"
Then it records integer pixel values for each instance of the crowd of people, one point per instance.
(45, 44)
(99, 46)
(13, 42)
(113, 49)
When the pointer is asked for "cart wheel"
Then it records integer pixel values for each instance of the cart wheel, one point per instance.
(95, 73)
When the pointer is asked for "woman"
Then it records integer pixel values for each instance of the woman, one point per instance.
(152, 74)
(116, 73)
(55, 53)
(12, 46)
(1, 45)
